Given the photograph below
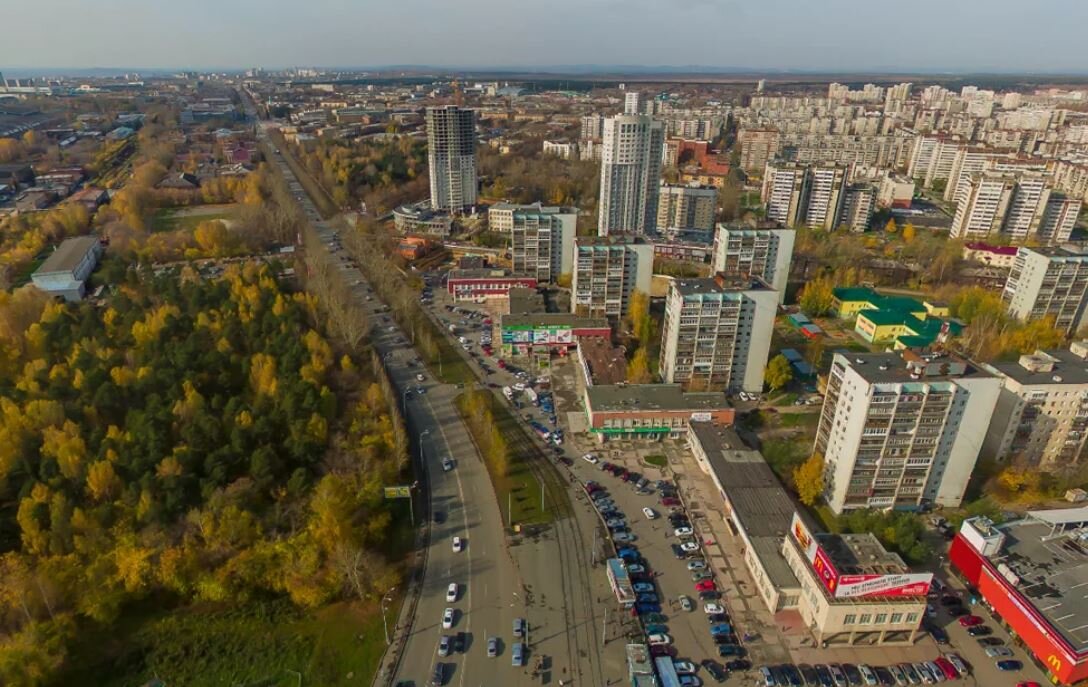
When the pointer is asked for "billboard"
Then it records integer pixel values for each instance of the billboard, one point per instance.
(398, 492)
(910, 584)
(803, 538)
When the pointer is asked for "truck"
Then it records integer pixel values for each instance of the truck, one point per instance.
(541, 430)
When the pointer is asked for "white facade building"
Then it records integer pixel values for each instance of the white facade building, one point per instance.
(743, 250)
(630, 175)
(542, 243)
(1049, 281)
(900, 431)
(451, 157)
(607, 270)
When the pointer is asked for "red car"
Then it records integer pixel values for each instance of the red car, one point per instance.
(592, 487)
(970, 621)
(502, 364)
(1027, 684)
(704, 586)
(947, 668)
(670, 501)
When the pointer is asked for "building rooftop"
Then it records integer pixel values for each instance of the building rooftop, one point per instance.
(999, 250)
(720, 283)
(1045, 367)
(607, 241)
(906, 367)
(607, 364)
(1051, 573)
(67, 257)
(861, 554)
(652, 397)
(523, 300)
(482, 273)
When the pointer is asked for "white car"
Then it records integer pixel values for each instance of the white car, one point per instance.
(649, 513)
(590, 458)
(447, 464)
(712, 609)
(686, 603)
(659, 638)
(447, 619)
(451, 593)
(689, 547)
(519, 387)
(684, 667)
(867, 674)
(682, 532)
(696, 565)
(458, 545)
(420, 378)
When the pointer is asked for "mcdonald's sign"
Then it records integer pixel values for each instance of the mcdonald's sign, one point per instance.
(1055, 663)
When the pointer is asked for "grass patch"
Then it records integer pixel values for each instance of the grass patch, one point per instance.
(803, 420)
(656, 460)
(170, 219)
(518, 489)
(446, 363)
(783, 455)
(23, 275)
(785, 399)
(258, 643)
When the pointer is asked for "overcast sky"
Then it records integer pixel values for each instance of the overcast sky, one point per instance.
(840, 35)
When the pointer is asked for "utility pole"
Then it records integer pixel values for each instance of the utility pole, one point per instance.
(604, 628)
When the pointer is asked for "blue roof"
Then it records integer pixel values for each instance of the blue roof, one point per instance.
(791, 354)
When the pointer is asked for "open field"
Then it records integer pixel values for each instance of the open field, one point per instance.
(169, 219)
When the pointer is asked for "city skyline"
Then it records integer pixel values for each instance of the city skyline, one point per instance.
(783, 35)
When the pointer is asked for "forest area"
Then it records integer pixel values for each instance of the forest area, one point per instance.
(192, 442)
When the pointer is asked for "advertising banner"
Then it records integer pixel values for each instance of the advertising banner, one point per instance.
(914, 584)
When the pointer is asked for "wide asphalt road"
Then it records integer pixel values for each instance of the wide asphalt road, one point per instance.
(488, 598)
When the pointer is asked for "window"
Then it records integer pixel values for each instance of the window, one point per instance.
(849, 619)
(881, 618)
(866, 618)
(912, 617)
(897, 618)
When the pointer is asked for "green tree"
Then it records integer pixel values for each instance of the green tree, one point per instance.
(779, 372)
(638, 369)
(817, 297)
(808, 479)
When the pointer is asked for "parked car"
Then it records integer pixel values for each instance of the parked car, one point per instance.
(642, 587)
(686, 603)
(712, 608)
(458, 545)
(998, 651)
(447, 619)
(659, 639)
(970, 621)
(517, 654)
(689, 547)
(682, 532)
(979, 631)
(650, 513)
(451, 593)
(444, 645)
(492, 647)
(704, 586)
(1009, 665)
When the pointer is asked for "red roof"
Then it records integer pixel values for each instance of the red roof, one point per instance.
(1000, 250)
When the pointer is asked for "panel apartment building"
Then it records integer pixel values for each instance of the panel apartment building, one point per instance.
(607, 270)
(1016, 206)
(899, 431)
(1041, 417)
(765, 252)
(630, 174)
(542, 243)
(1049, 281)
(717, 332)
(811, 195)
(451, 157)
(686, 207)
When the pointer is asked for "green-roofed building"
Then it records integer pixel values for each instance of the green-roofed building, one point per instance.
(902, 321)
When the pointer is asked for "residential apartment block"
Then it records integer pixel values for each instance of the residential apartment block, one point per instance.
(1041, 418)
(783, 193)
(858, 205)
(742, 250)
(1049, 281)
(900, 431)
(500, 216)
(805, 194)
(717, 332)
(542, 243)
(757, 148)
(607, 270)
(686, 207)
(451, 157)
(1016, 206)
(630, 174)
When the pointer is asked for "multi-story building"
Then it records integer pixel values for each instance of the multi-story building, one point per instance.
(784, 193)
(542, 243)
(592, 127)
(824, 197)
(895, 192)
(451, 157)
(1059, 218)
(982, 207)
(607, 270)
(859, 201)
(64, 273)
(1049, 281)
(757, 148)
(500, 216)
(631, 102)
(1041, 417)
(686, 207)
(717, 332)
(567, 150)
(630, 174)
(743, 250)
(899, 432)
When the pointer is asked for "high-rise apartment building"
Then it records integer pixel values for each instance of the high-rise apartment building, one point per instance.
(901, 431)
(1014, 206)
(1041, 418)
(630, 174)
(542, 243)
(784, 193)
(824, 197)
(859, 202)
(686, 207)
(451, 157)
(798, 194)
(741, 250)
(757, 148)
(500, 216)
(717, 332)
(631, 102)
(607, 270)
(968, 161)
(1049, 281)
(592, 127)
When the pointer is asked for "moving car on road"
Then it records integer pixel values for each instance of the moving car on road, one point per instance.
(451, 593)
(458, 545)
(447, 619)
